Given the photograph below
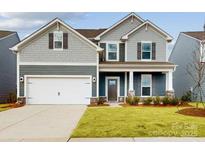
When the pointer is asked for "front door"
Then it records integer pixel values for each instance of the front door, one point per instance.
(112, 89)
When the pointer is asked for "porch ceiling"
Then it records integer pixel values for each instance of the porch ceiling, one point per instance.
(140, 66)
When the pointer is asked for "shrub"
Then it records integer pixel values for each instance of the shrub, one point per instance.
(174, 101)
(186, 97)
(100, 101)
(157, 100)
(132, 100)
(147, 101)
(165, 100)
(136, 100)
(129, 100)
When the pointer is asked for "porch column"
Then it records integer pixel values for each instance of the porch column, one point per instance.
(131, 83)
(169, 81)
(169, 84)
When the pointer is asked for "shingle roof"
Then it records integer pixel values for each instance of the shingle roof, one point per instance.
(196, 34)
(5, 33)
(90, 33)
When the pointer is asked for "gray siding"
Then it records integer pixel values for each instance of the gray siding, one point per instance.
(116, 33)
(8, 65)
(57, 70)
(181, 55)
(146, 35)
(158, 84)
(78, 50)
(102, 82)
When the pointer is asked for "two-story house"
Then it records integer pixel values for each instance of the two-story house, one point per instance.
(7, 64)
(61, 65)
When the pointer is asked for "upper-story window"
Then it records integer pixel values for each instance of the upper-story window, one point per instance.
(112, 52)
(58, 40)
(146, 51)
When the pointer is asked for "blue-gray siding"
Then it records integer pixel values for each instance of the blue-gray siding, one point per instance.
(158, 84)
(7, 65)
(57, 70)
(102, 82)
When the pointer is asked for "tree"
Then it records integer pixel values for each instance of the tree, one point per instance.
(196, 70)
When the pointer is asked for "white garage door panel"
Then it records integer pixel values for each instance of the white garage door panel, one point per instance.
(49, 90)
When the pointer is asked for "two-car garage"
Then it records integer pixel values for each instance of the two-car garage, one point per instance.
(58, 89)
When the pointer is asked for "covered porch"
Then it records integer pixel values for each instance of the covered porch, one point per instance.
(143, 79)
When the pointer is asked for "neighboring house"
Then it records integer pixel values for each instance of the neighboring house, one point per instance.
(7, 64)
(182, 54)
(61, 65)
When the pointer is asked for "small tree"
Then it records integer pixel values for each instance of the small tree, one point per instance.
(196, 71)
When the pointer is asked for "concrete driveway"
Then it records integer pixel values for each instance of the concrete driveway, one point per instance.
(40, 122)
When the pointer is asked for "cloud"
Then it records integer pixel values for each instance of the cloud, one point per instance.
(28, 21)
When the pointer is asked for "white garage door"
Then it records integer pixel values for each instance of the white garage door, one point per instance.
(58, 90)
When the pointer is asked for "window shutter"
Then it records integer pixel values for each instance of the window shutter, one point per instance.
(139, 50)
(122, 52)
(50, 42)
(103, 55)
(153, 51)
(65, 40)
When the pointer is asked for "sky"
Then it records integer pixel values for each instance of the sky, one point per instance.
(172, 23)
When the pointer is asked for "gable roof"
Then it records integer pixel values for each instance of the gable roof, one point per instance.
(4, 33)
(199, 35)
(91, 33)
(56, 20)
(119, 22)
(167, 36)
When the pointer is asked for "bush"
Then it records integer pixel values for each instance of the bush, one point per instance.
(12, 98)
(157, 100)
(174, 101)
(136, 100)
(129, 100)
(186, 97)
(101, 101)
(132, 100)
(147, 101)
(165, 100)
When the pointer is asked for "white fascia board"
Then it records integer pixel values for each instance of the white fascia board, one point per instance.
(16, 47)
(168, 37)
(119, 22)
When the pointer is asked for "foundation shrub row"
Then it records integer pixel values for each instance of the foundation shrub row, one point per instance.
(152, 100)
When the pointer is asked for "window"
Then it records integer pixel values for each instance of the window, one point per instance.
(58, 40)
(146, 50)
(112, 52)
(146, 84)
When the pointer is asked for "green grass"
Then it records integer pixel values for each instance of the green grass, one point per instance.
(138, 122)
(4, 107)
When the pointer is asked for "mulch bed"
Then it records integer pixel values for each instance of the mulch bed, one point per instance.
(152, 105)
(95, 105)
(198, 112)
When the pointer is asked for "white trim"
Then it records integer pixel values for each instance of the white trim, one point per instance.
(190, 37)
(125, 84)
(147, 86)
(57, 63)
(150, 42)
(54, 76)
(119, 22)
(17, 75)
(125, 50)
(168, 37)
(118, 85)
(131, 81)
(16, 47)
(133, 69)
(117, 52)
(97, 76)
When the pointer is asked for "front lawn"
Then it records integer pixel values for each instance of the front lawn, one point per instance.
(4, 107)
(138, 122)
